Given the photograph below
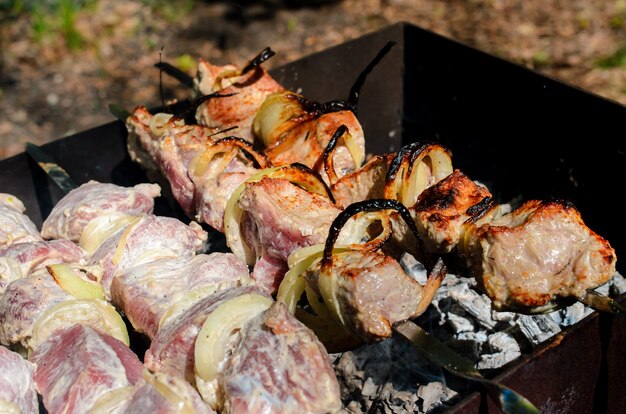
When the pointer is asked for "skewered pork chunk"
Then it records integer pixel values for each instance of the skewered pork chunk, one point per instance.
(373, 292)
(24, 300)
(164, 143)
(273, 359)
(73, 212)
(17, 389)
(250, 89)
(32, 308)
(280, 217)
(147, 239)
(214, 188)
(442, 209)
(78, 365)
(147, 291)
(293, 133)
(21, 259)
(366, 183)
(15, 226)
(536, 254)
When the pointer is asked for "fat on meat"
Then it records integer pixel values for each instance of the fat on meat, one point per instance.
(145, 292)
(280, 217)
(539, 252)
(20, 259)
(149, 238)
(15, 226)
(278, 366)
(78, 365)
(73, 212)
(214, 188)
(17, 388)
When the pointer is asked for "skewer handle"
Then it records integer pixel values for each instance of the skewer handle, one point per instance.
(54, 171)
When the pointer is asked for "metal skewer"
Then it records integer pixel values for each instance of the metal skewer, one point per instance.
(54, 171)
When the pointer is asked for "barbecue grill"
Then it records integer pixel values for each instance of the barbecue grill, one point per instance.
(522, 134)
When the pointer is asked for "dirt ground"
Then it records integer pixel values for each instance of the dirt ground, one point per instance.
(60, 78)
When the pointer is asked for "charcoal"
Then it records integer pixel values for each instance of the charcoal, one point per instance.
(618, 284)
(386, 378)
(459, 324)
(432, 395)
(504, 349)
(575, 313)
(538, 328)
(477, 305)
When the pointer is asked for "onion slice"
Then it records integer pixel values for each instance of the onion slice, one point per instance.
(100, 228)
(119, 250)
(112, 400)
(8, 407)
(158, 123)
(416, 167)
(79, 287)
(200, 163)
(166, 386)
(358, 155)
(279, 113)
(215, 334)
(195, 295)
(297, 174)
(95, 313)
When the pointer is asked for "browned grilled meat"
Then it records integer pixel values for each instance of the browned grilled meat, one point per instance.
(442, 209)
(368, 182)
(536, 254)
(250, 91)
(373, 292)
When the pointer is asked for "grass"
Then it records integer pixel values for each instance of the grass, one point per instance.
(616, 60)
(50, 18)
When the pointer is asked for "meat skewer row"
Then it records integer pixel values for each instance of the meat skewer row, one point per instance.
(302, 130)
(67, 299)
(196, 289)
(537, 258)
(307, 343)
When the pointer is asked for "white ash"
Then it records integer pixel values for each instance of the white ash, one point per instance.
(392, 377)
(617, 284)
